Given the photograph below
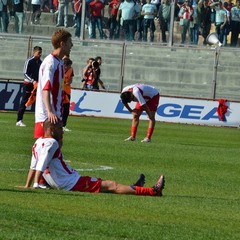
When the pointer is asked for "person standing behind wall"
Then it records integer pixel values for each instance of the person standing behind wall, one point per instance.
(127, 13)
(30, 71)
(4, 20)
(96, 8)
(114, 26)
(19, 15)
(185, 14)
(36, 11)
(235, 13)
(62, 13)
(78, 16)
(205, 19)
(164, 14)
(149, 11)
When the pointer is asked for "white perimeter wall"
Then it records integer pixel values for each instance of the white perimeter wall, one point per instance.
(177, 110)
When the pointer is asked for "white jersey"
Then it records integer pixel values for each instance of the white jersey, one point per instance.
(50, 78)
(47, 157)
(142, 92)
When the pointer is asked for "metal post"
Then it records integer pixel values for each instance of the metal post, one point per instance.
(122, 65)
(217, 52)
(82, 35)
(29, 52)
(171, 27)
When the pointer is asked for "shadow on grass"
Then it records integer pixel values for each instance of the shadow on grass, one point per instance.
(201, 197)
(43, 191)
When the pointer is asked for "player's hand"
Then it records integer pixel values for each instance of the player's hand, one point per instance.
(52, 118)
(136, 112)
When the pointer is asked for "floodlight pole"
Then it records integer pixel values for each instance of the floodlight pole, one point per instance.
(216, 58)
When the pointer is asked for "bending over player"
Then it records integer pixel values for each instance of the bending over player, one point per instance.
(147, 98)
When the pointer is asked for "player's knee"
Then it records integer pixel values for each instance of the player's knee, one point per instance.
(113, 186)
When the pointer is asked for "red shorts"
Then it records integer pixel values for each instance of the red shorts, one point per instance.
(38, 131)
(152, 104)
(88, 184)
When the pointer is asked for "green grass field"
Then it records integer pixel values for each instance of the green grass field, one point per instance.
(201, 199)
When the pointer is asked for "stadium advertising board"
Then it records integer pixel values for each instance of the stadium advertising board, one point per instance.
(105, 104)
(10, 96)
(178, 110)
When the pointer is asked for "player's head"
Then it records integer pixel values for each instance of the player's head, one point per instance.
(37, 52)
(126, 97)
(62, 39)
(54, 130)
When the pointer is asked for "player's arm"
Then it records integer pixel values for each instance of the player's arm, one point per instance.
(30, 177)
(148, 111)
(46, 99)
(37, 178)
(128, 107)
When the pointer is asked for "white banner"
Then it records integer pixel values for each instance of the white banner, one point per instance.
(170, 109)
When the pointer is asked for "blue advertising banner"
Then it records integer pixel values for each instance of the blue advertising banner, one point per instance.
(10, 96)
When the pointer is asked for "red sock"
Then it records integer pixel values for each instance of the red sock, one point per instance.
(134, 132)
(149, 133)
(145, 191)
(42, 180)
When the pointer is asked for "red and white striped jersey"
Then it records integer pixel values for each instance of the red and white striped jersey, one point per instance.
(51, 78)
(142, 92)
(47, 157)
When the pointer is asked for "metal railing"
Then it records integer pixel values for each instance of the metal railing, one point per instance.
(177, 71)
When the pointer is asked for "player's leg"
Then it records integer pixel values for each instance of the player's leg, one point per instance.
(117, 188)
(153, 105)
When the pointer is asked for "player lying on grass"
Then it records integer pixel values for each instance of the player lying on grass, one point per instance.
(47, 161)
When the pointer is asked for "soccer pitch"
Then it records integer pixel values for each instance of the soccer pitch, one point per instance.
(201, 198)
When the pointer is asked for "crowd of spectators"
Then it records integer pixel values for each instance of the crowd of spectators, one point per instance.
(133, 20)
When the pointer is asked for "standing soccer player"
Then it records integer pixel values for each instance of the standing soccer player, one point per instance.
(147, 98)
(51, 82)
(30, 71)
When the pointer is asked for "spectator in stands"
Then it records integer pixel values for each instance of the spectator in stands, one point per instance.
(205, 19)
(36, 11)
(227, 25)
(114, 26)
(220, 19)
(62, 19)
(18, 9)
(235, 13)
(164, 15)
(78, 16)
(149, 11)
(127, 13)
(185, 14)
(30, 71)
(157, 3)
(4, 19)
(96, 7)
(195, 24)
(139, 20)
